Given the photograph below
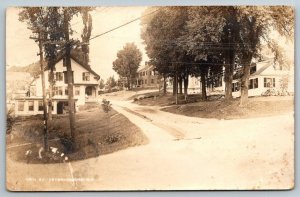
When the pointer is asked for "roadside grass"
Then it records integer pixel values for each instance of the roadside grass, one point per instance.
(160, 99)
(99, 134)
(218, 109)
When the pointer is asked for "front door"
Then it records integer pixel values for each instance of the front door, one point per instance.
(60, 108)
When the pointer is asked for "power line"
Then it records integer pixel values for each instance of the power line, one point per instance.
(136, 19)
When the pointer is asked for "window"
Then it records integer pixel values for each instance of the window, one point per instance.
(66, 78)
(85, 76)
(77, 90)
(30, 106)
(252, 69)
(269, 82)
(145, 81)
(66, 91)
(41, 106)
(218, 82)
(236, 87)
(64, 62)
(59, 76)
(152, 80)
(253, 83)
(58, 90)
(21, 105)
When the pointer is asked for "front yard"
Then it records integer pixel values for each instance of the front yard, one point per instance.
(101, 133)
(215, 107)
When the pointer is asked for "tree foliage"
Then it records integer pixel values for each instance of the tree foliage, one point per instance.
(111, 82)
(127, 62)
(215, 37)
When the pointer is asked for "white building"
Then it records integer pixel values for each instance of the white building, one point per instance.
(264, 75)
(85, 89)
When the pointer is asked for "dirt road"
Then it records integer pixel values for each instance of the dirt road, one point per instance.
(184, 153)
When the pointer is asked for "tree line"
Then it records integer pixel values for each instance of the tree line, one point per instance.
(213, 41)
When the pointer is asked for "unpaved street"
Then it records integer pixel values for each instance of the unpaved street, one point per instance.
(182, 153)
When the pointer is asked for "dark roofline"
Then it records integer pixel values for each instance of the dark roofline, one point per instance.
(87, 67)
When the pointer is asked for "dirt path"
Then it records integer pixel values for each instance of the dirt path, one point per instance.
(183, 153)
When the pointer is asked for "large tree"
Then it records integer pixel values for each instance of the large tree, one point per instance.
(36, 19)
(111, 82)
(53, 28)
(127, 62)
(52, 46)
(237, 33)
(256, 26)
(161, 31)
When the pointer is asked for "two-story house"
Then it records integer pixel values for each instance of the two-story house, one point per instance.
(264, 75)
(147, 77)
(85, 89)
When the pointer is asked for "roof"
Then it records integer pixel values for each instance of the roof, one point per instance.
(146, 68)
(261, 66)
(87, 67)
(41, 98)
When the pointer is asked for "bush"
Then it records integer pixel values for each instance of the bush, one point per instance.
(67, 142)
(10, 120)
(106, 105)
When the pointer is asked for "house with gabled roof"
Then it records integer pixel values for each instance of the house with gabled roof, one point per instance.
(264, 75)
(85, 89)
(147, 77)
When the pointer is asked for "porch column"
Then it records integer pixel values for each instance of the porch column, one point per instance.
(35, 106)
(54, 104)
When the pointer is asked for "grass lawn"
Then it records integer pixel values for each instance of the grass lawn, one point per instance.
(99, 133)
(215, 107)
(159, 99)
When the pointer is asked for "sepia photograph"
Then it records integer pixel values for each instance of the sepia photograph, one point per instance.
(150, 98)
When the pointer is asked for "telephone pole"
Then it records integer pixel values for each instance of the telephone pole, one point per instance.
(71, 103)
(39, 39)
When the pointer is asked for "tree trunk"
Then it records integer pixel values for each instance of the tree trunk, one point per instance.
(186, 84)
(46, 133)
(245, 81)
(165, 84)
(203, 86)
(230, 59)
(228, 79)
(128, 83)
(51, 84)
(174, 86)
(71, 102)
(180, 84)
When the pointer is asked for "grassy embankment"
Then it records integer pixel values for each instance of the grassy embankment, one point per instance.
(102, 133)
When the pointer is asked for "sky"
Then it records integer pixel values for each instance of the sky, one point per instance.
(22, 51)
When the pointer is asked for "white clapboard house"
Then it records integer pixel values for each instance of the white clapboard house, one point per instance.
(264, 75)
(85, 89)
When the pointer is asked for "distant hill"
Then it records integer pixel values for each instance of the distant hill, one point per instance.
(33, 69)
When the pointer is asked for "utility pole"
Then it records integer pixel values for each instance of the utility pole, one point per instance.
(176, 86)
(71, 103)
(45, 121)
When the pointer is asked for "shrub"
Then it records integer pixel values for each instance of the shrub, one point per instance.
(106, 105)
(10, 119)
(67, 142)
